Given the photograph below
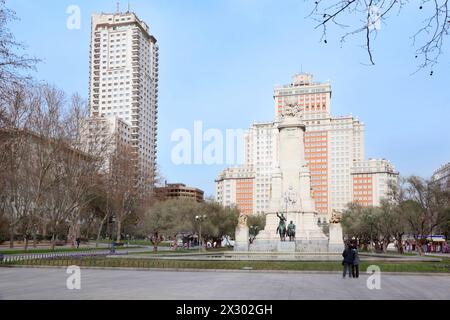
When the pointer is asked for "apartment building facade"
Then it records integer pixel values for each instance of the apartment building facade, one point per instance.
(442, 176)
(332, 146)
(372, 180)
(124, 82)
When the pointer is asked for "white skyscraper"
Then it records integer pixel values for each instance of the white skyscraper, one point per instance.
(124, 81)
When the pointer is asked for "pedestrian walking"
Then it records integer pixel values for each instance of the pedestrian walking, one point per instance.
(348, 261)
(78, 242)
(356, 260)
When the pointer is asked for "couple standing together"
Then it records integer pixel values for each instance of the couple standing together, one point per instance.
(351, 261)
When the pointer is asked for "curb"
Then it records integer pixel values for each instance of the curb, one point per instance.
(440, 274)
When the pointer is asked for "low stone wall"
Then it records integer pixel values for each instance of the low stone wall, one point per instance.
(316, 246)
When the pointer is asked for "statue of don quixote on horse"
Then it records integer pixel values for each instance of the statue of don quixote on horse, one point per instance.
(282, 230)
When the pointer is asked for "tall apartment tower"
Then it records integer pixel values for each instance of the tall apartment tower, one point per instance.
(124, 82)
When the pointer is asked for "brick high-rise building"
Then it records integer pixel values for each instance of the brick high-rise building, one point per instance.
(372, 180)
(332, 146)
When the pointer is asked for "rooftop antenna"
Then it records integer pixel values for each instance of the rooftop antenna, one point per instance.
(118, 6)
(129, 6)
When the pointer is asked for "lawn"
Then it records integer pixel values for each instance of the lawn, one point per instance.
(433, 267)
(29, 251)
(138, 242)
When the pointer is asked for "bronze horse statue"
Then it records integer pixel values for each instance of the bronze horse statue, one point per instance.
(281, 229)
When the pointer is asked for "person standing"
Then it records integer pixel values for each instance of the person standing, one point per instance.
(78, 242)
(348, 261)
(356, 260)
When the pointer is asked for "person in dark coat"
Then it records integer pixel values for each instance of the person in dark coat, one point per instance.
(348, 261)
(355, 265)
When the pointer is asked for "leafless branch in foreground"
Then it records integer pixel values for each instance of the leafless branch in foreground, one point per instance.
(367, 17)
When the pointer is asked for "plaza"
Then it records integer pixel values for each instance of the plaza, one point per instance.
(50, 283)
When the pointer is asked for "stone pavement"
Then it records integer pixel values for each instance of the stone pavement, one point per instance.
(45, 283)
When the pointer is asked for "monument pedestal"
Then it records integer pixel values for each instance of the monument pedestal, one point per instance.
(242, 238)
(336, 243)
(309, 237)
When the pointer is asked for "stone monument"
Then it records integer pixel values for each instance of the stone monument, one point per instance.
(242, 234)
(336, 243)
(291, 192)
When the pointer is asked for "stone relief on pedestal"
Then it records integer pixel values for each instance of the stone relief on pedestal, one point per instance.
(290, 110)
(336, 217)
(290, 197)
(243, 219)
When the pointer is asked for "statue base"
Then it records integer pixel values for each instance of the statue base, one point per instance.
(336, 243)
(305, 246)
(242, 238)
(309, 237)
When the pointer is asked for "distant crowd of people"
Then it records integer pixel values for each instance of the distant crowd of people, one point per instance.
(351, 261)
(439, 247)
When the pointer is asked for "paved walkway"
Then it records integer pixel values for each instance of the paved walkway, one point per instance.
(28, 283)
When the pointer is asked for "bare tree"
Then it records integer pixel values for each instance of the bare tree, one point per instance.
(122, 188)
(16, 166)
(426, 203)
(12, 60)
(365, 17)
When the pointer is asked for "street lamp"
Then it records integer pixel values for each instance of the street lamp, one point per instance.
(200, 219)
(113, 244)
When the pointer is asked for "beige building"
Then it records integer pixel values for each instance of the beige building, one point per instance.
(179, 191)
(124, 82)
(332, 145)
(101, 136)
(442, 176)
(372, 180)
(235, 187)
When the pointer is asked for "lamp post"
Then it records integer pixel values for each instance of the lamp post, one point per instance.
(200, 219)
(113, 244)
